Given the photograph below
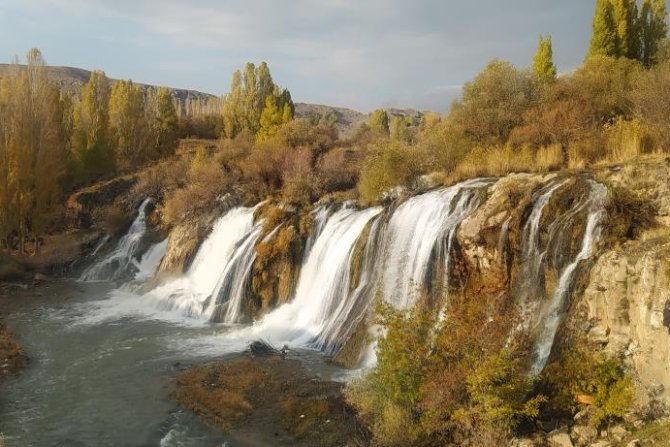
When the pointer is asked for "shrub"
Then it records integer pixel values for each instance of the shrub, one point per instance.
(584, 375)
(459, 381)
(629, 214)
(389, 164)
(112, 219)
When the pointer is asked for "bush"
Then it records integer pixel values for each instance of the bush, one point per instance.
(583, 375)
(112, 219)
(389, 164)
(459, 381)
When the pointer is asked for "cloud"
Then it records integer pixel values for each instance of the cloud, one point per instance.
(379, 51)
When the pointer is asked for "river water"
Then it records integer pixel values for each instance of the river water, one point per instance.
(101, 371)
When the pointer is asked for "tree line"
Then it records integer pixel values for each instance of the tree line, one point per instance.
(51, 142)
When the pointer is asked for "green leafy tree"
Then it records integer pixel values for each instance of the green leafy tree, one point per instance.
(278, 110)
(379, 120)
(246, 102)
(628, 37)
(653, 29)
(543, 62)
(604, 40)
(493, 104)
(165, 124)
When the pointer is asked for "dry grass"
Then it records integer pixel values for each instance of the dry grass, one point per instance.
(626, 140)
(269, 396)
(12, 357)
(502, 160)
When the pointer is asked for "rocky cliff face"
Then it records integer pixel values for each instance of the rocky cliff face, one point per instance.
(626, 304)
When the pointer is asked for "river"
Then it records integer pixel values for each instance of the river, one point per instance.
(101, 370)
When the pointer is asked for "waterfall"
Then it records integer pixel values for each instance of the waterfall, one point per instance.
(150, 261)
(320, 307)
(120, 261)
(230, 291)
(594, 204)
(420, 231)
(215, 265)
(531, 286)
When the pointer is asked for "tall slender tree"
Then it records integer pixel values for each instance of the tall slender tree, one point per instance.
(543, 62)
(625, 21)
(604, 40)
(129, 125)
(653, 28)
(91, 143)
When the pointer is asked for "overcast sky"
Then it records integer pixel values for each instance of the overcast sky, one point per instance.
(355, 53)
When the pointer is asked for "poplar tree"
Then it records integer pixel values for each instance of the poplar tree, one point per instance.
(129, 125)
(246, 103)
(543, 63)
(379, 120)
(628, 37)
(91, 144)
(653, 29)
(165, 124)
(32, 151)
(604, 41)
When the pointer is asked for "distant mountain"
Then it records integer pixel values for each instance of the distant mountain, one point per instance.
(71, 79)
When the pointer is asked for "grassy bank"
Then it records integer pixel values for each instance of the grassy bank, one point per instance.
(271, 400)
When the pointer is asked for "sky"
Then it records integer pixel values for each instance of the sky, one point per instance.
(362, 54)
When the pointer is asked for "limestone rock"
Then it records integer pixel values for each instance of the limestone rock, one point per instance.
(559, 438)
(583, 435)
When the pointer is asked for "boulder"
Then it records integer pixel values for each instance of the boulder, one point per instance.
(559, 438)
(583, 435)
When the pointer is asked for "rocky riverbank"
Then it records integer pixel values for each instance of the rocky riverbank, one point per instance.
(270, 400)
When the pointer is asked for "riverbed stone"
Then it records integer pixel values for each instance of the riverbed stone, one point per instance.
(559, 438)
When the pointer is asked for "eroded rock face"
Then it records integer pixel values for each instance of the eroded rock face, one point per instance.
(626, 303)
(183, 242)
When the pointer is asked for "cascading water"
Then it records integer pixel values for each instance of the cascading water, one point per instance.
(150, 261)
(420, 231)
(214, 267)
(531, 286)
(230, 291)
(121, 261)
(594, 205)
(323, 290)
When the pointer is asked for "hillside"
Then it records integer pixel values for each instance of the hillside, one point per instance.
(70, 79)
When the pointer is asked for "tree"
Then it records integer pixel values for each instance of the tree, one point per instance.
(129, 125)
(543, 63)
(93, 151)
(244, 105)
(379, 120)
(278, 110)
(493, 104)
(165, 123)
(653, 28)
(32, 151)
(604, 38)
(626, 24)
